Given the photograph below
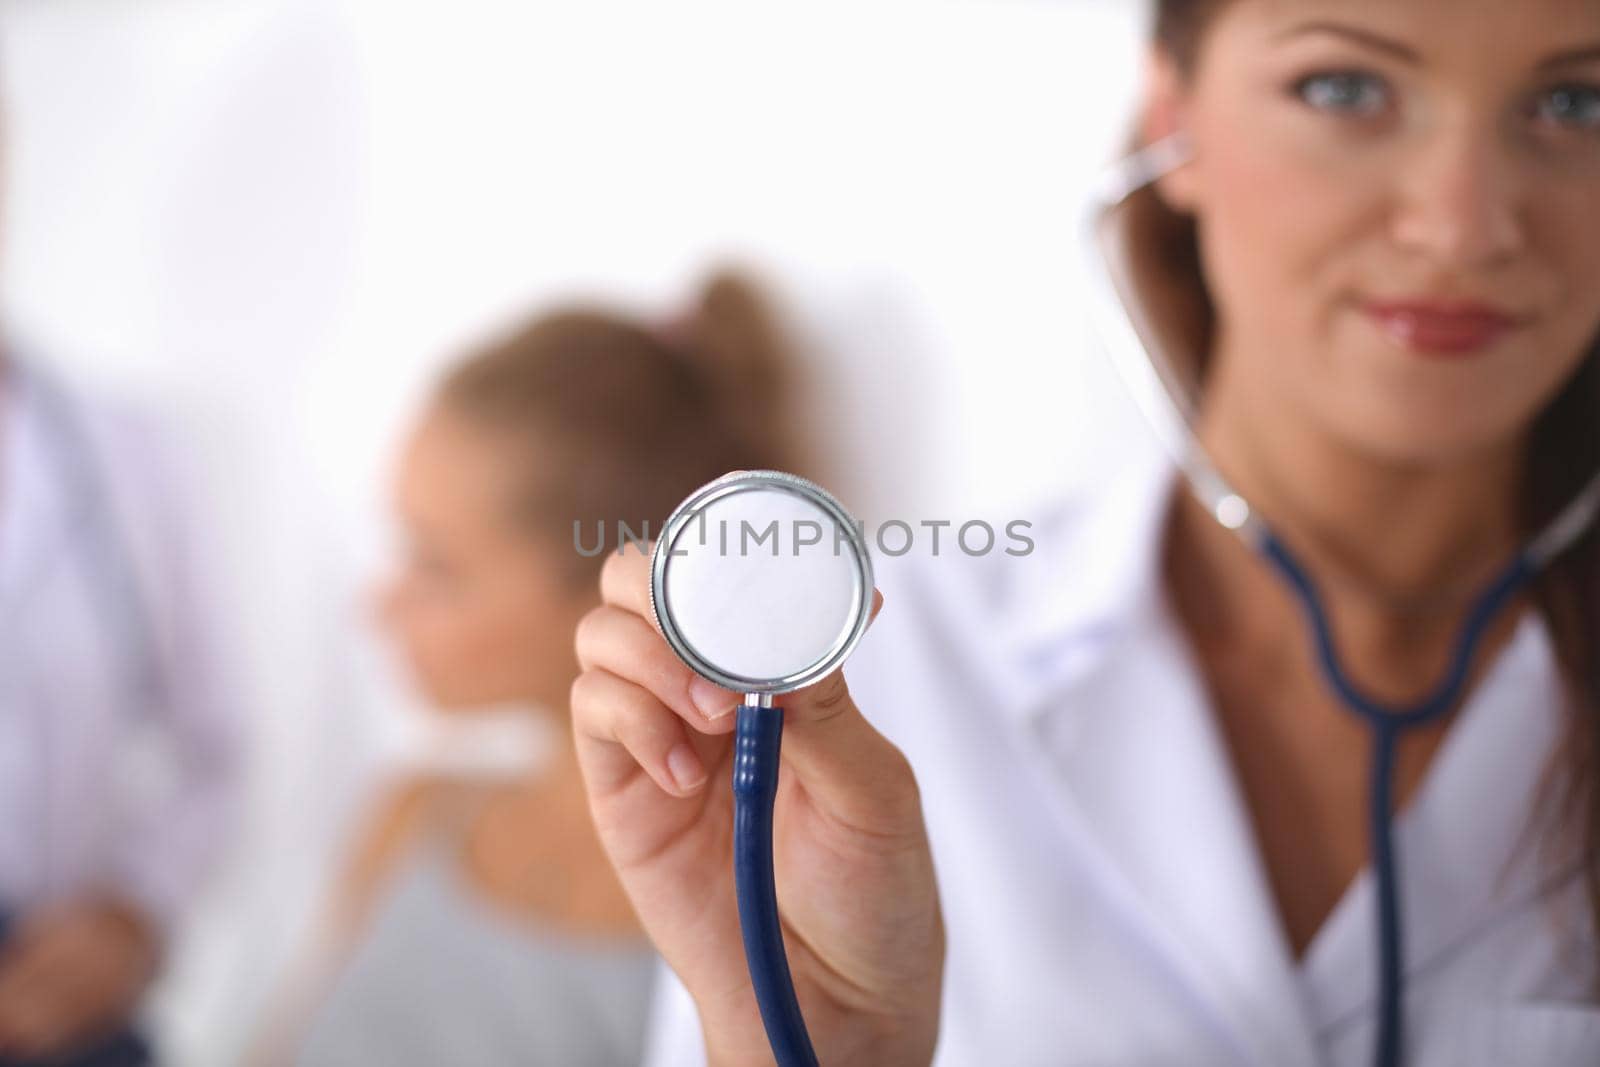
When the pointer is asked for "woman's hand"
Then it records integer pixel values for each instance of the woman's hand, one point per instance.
(856, 892)
(72, 973)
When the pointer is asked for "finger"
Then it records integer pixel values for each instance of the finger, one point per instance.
(842, 758)
(621, 727)
(845, 764)
(625, 584)
(619, 641)
(625, 580)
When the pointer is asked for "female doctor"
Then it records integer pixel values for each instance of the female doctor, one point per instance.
(1101, 804)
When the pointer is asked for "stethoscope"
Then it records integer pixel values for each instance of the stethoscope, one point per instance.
(93, 535)
(1170, 404)
(761, 583)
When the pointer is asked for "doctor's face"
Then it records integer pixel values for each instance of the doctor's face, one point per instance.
(1398, 204)
(482, 611)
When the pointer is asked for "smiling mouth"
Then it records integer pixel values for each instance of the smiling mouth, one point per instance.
(1440, 329)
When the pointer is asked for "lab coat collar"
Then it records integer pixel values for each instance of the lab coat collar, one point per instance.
(1139, 766)
(1126, 744)
(1095, 576)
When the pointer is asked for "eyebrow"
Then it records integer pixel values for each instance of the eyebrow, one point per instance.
(1409, 55)
(1576, 55)
(1360, 36)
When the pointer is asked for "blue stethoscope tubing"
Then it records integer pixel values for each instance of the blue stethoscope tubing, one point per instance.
(1170, 406)
(1388, 723)
(757, 738)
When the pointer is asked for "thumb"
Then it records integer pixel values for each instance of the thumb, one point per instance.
(823, 701)
(844, 763)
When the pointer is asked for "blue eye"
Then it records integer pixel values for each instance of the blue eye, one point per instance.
(1571, 105)
(1343, 93)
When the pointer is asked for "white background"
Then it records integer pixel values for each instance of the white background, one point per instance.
(272, 222)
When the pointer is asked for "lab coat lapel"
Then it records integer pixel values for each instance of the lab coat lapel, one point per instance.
(1142, 777)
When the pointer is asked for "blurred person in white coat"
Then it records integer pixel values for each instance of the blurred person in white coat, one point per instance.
(118, 735)
(1098, 804)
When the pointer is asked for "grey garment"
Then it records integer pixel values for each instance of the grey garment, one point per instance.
(444, 980)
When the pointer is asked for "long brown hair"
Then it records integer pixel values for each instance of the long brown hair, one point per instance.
(1563, 454)
(627, 416)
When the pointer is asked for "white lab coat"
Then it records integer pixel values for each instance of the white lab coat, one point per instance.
(1104, 900)
(118, 730)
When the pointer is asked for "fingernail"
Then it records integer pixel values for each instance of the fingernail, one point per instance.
(713, 701)
(685, 766)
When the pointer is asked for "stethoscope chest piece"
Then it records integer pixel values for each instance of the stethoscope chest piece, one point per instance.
(761, 582)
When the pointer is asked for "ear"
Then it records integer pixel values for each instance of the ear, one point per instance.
(1166, 111)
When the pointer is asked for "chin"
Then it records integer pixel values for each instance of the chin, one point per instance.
(1424, 440)
(441, 695)
(1412, 423)
(458, 704)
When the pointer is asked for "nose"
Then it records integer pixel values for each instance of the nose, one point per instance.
(1459, 204)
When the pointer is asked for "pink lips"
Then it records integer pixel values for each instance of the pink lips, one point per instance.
(1441, 328)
